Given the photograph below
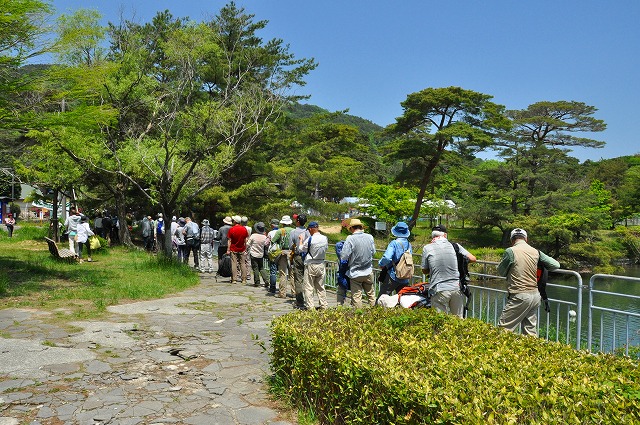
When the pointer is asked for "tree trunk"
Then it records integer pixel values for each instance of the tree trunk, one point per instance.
(121, 211)
(53, 220)
(426, 178)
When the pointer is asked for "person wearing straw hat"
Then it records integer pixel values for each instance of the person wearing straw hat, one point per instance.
(392, 255)
(358, 251)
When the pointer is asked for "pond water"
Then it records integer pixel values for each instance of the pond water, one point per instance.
(615, 316)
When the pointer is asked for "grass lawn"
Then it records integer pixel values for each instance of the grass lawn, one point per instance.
(31, 278)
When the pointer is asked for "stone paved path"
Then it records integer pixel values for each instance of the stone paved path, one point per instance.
(195, 358)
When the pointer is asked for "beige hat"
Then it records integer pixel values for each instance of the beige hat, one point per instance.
(286, 220)
(227, 220)
(355, 222)
(236, 218)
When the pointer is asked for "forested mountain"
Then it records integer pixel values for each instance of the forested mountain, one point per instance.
(300, 110)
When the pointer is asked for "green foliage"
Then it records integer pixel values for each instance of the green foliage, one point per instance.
(80, 38)
(400, 366)
(387, 203)
(300, 111)
(15, 210)
(436, 121)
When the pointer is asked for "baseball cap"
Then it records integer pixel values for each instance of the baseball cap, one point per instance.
(517, 232)
(440, 228)
(313, 224)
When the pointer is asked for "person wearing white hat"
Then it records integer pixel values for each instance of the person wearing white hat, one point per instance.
(519, 265)
(223, 239)
(440, 263)
(283, 239)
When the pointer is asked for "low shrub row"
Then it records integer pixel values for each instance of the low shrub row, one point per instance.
(397, 366)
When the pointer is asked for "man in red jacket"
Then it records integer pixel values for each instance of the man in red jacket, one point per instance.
(238, 236)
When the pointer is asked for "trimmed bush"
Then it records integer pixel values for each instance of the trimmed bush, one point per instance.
(397, 366)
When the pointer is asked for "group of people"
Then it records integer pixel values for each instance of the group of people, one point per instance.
(296, 256)
(439, 261)
(78, 230)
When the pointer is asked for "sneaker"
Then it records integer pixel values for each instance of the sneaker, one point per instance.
(89, 259)
(210, 271)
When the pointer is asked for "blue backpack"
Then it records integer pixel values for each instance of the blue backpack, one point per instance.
(343, 266)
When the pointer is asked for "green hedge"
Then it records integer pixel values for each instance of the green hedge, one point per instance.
(398, 366)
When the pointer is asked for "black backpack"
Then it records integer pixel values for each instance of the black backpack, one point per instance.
(542, 276)
(225, 266)
(463, 270)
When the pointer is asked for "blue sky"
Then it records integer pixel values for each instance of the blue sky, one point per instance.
(373, 53)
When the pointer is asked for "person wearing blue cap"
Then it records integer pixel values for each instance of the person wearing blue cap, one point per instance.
(392, 255)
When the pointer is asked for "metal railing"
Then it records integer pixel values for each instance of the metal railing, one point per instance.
(617, 331)
(615, 327)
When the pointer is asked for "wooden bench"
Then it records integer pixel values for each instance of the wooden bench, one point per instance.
(60, 253)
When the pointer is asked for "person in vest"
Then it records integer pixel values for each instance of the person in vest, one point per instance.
(283, 238)
(358, 251)
(519, 265)
(392, 255)
(298, 234)
(440, 262)
(315, 249)
(273, 265)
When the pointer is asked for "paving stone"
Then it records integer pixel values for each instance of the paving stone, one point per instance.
(119, 372)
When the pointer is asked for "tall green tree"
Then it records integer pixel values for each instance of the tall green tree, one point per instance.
(438, 120)
(182, 102)
(539, 141)
(23, 26)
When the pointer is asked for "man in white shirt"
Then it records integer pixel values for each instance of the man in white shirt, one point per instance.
(314, 249)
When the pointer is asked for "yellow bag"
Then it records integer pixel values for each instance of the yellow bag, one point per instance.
(94, 242)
